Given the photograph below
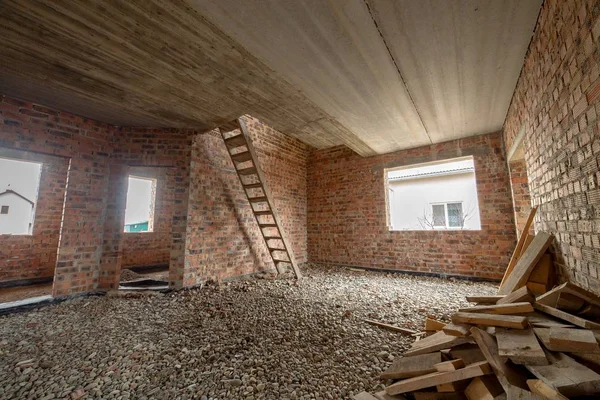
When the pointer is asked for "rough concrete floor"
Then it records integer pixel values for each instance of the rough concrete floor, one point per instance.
(254, 339)
(25, 292)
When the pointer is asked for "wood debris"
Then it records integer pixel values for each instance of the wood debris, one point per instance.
(510, 346)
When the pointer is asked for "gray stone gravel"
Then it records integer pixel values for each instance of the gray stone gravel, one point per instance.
(252, 339)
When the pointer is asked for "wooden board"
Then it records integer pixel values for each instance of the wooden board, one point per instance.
(520, 274)
(432, 325)
(567, 376)
(520, 346)
(506, 321)
(541, 320)
(543, 271)
(511, 376)
(364, 396)
(518, 252)
(460, 330)
(435, 342)
(518, 296)
(484, 387)
(390, 327)
(577, 340)
(452, 387)
(469, 353)
(528, 241)
(570, 303)
(438, 396)
(484, 299)
(537, 289)
(551, 297)
(538, 386)
(447, 366)
(502, 309)
(573, 319)
(407, 367)
(439, 378)
(382, 395)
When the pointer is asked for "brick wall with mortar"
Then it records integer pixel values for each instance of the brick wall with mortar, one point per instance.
(91, 241)
(223, 237)
(520, 193)
(347, 213)
(557, 101)
(152, 248)
(33, 257)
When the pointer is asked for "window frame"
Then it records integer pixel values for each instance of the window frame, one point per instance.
(3, 208)
(446, 216)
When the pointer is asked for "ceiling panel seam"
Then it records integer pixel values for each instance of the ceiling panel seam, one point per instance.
(397, 68)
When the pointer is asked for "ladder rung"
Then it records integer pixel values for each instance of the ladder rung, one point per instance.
(263, 212)
(236, 141)
(268, 225)
(229, 126)
(272, 237)
(278, 260)
(241, 157)
(257, 199)
(247, 171)
(274, 249)
(253, 185)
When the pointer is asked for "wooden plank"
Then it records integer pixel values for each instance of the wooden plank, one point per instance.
(364, 396)
(541, 320)
(520, 346)
(452, 387)
(432, 325)
(469, 353)
(506, 321)
(538, 386)
(382, 395)
(511, 376)
(537, 289)
(435, 342)
(390, 327)
(407, 367)
(518, 252)
(518, 296)
(551, 297)
(502, 309)
(460, 330)
(439, 378)
(573, 319)
(484, 387)
(438, 396)
(567, 376)
(570, 303)
(543, 271)
(520, 274)
(577, 340)
(447, 366)
(528, 241)
(484, 299)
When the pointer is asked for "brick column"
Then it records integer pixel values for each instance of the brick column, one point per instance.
(82, 227)
(112, 247)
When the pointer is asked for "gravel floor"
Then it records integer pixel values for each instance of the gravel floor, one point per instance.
(253, 339)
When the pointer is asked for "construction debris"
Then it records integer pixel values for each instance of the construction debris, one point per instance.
(510, 346)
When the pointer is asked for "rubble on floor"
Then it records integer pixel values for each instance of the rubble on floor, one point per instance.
(250, 339)
(524, 343)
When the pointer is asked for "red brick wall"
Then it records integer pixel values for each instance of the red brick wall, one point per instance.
(152, 248)
(25, 257)
(557, 100)
(347, 213)
(520, 193)
(91, 240)
(223, 237)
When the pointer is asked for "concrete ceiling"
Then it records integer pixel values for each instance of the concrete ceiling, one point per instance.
(376, 75)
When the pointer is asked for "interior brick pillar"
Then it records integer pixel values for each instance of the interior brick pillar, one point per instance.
(112, 247)
(82, 227)
(178, 183)
(520, 193)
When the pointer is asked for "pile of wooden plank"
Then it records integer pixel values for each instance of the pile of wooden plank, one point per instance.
(515, 345)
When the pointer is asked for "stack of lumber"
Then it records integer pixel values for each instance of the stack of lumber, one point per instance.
(510, 346)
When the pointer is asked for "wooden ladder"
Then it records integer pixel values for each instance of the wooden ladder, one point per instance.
(242, 153)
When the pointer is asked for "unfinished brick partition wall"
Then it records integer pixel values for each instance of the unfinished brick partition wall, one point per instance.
(347, 213)
(557, 101)
(220, 217)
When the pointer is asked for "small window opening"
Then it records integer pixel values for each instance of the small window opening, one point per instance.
(433, 196)
(19, 187)
(139, 211)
